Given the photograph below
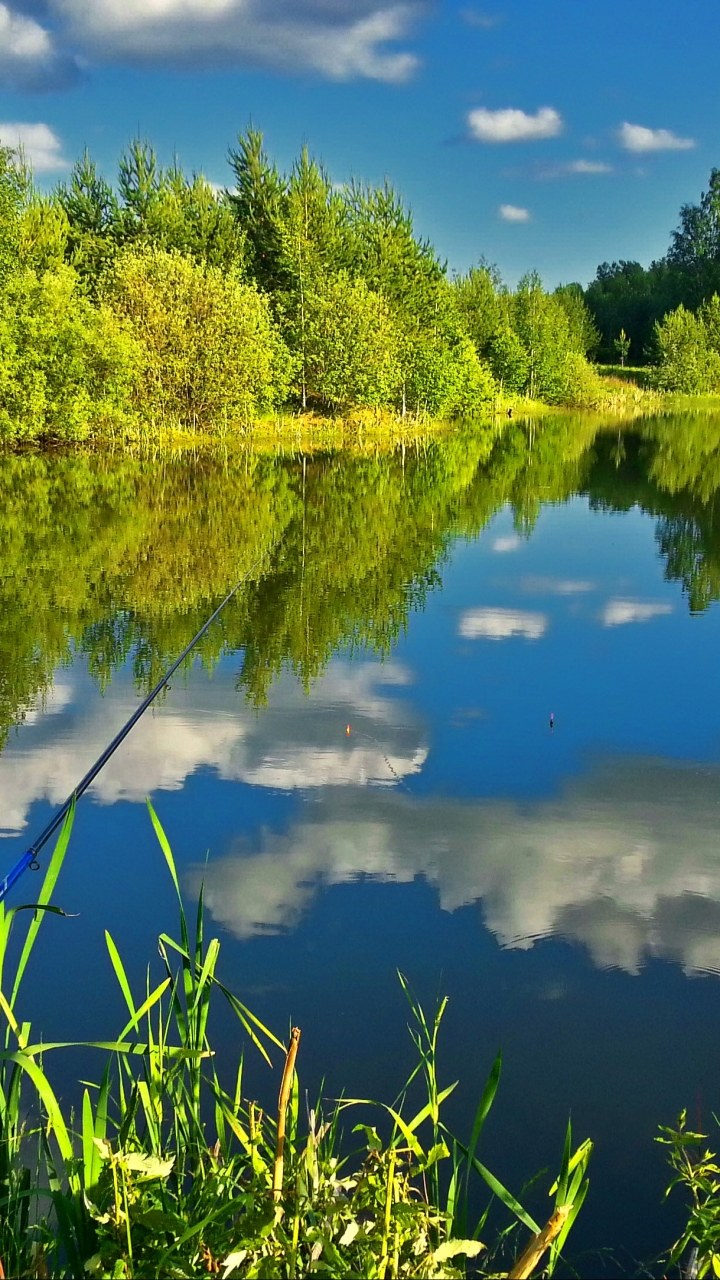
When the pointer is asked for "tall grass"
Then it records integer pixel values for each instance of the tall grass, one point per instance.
(169, 1170)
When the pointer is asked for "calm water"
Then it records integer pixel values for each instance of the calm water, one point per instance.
(561, 885)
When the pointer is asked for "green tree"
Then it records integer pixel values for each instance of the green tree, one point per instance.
(540, 322)
(258, 203)
(686, 360)
(211, 352)
(13, 194)
(695, 245)
(68, 367)
(480, 303)
(622, 346)
(189, 216)
(351, 346)
(92, 211)
(311, 251)
(139, 181)
(44, 233)
(583, 332)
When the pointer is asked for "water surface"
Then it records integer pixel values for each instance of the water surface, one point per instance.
(360, 764)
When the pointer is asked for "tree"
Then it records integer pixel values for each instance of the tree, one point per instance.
(44, 233)
(257, 202)
(310, 225)
(211, 352)
(68, 366)
(14, 185)
(92, 211)
(687, 362)
(698, 236)
(351, 346)
(479, 302)
(622, 346)
(139, 181)
(583, 332)
(186, 214)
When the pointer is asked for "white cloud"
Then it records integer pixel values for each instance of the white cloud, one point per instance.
(618, 612)
(637, 138)
(625, 862)
(513, 125)
(28, 56)
(509, 542)
(571, 168)
(501, 624)
(21, 38)
(588, 166)
(39, 143)
(512, 213)
(339, 39)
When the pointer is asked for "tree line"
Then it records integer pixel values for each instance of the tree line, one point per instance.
(162, 299)
(665, 315)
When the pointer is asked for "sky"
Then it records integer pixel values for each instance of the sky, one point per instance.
(546, 135)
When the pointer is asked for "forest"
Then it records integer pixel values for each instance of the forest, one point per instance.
(162, 301)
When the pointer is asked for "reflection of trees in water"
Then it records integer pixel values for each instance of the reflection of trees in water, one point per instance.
(123, 560)
(671, 470)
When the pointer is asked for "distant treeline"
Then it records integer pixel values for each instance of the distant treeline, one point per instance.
(165, 300)
(664, 314)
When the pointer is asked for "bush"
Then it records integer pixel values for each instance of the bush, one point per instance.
(210, 352)
(66, 367)
(687, 360)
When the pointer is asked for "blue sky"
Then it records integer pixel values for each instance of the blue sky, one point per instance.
(551, 134)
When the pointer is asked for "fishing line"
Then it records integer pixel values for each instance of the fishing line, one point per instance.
(29, 858)
(351, 731)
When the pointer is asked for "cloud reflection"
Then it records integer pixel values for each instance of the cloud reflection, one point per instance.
(300, 742)
(501, 624)
(618, 612)
(510, 542)
(627, 863)
(556, 586)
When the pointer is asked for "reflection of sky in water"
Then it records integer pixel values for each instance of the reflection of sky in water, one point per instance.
(627, 862)
(334, 858)
(299, 744)
(449, 771)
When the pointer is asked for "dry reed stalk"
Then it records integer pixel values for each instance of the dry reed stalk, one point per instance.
(529, 1259)
(283, 1100)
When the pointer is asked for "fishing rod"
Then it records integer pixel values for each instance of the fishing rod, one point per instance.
(29, 858)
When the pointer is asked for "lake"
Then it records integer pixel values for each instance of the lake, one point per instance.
(461, 721)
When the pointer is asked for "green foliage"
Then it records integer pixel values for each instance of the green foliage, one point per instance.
(92, 212)
(44, 234)
(67, 367)
(187, 215)
(257, 202)
(533, 342)
(622, 346)
(350, 346)
(210, 352)
(401, 337)
(688, 359)
(583, 334)
(696, 1170)
(625, 295)
(695, 245)
(13, 191)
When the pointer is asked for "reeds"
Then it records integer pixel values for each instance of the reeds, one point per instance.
(168, 1170)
